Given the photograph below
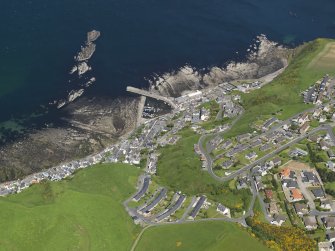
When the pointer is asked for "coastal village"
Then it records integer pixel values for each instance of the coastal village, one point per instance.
(281, 163)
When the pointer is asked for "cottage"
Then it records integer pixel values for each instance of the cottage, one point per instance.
(324, 145)
(304, 128)
(318, 193)
(276, 161)
(227, 164)
(326, 204)
(241, 183)
(303, 118)
(286, 173)
(296, 194)
(310, 222)
(330, 165)
(309, 177)
(223, 210)
(278, 220)
(331, 154)
(325, 246)
(330, 236)
(243, 137)
(301, 209)
(251, 156)
(290, 183)
(329, 222)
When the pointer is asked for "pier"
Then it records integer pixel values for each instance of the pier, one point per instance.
(152, 95)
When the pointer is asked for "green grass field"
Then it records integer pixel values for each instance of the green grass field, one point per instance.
(283, 95)
(199, 236)
(179, 169)
(84, 213)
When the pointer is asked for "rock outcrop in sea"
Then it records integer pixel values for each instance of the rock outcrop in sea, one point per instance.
(264, 57)
(81, 67)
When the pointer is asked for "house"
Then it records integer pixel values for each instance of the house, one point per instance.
(227, 164)
(272, 208)
(286, 173)
(298, 152)
(325, 246)
(329, 222)
(268, 194)
(317, 113)
(241, 183)
(323, 119)
(318, 193)
(243, 137)
(310, 222)
(227, 144)
(331, 154)
(251, 156)
(265, 147)
(326, 204)
(309, 177)
(296, 194)
(290, 183)
(324, 145)
(223, 210)
(330, 236)
(278, 220)
(330, 164)
(276, 161)
(303, 118)
(304, 128)
(301, 209)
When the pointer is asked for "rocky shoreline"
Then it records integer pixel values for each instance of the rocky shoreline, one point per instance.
(264, 58)
(92, 125)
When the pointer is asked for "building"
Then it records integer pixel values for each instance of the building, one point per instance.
(223, 210)
(318, 193)
(251, 156)
(331, 154)
(309, 177)
(286, 173)
(276, 161)
(304, 128)
(296, 194)
(330, 236)
(325, 246)
(329, 222)
(310, 222)
(278, 220)
(301, 209)
(197, 207)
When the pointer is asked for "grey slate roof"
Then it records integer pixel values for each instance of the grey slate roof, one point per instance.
(197, 207)
(160, 196)
(144, 188)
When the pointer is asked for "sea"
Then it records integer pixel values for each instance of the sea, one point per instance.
(139, 39)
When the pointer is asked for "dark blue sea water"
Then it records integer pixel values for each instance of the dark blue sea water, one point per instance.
(139, 37)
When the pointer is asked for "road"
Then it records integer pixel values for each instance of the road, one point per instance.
(270, 155)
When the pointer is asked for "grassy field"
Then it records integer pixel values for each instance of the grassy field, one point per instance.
(282, 96)
(179, 169)
(199, 236)
(84, 213)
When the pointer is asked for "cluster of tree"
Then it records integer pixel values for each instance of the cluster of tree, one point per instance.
(313, 156)
(326, 175)
(281, 238)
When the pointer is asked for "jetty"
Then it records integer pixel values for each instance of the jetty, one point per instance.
(149, 94)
